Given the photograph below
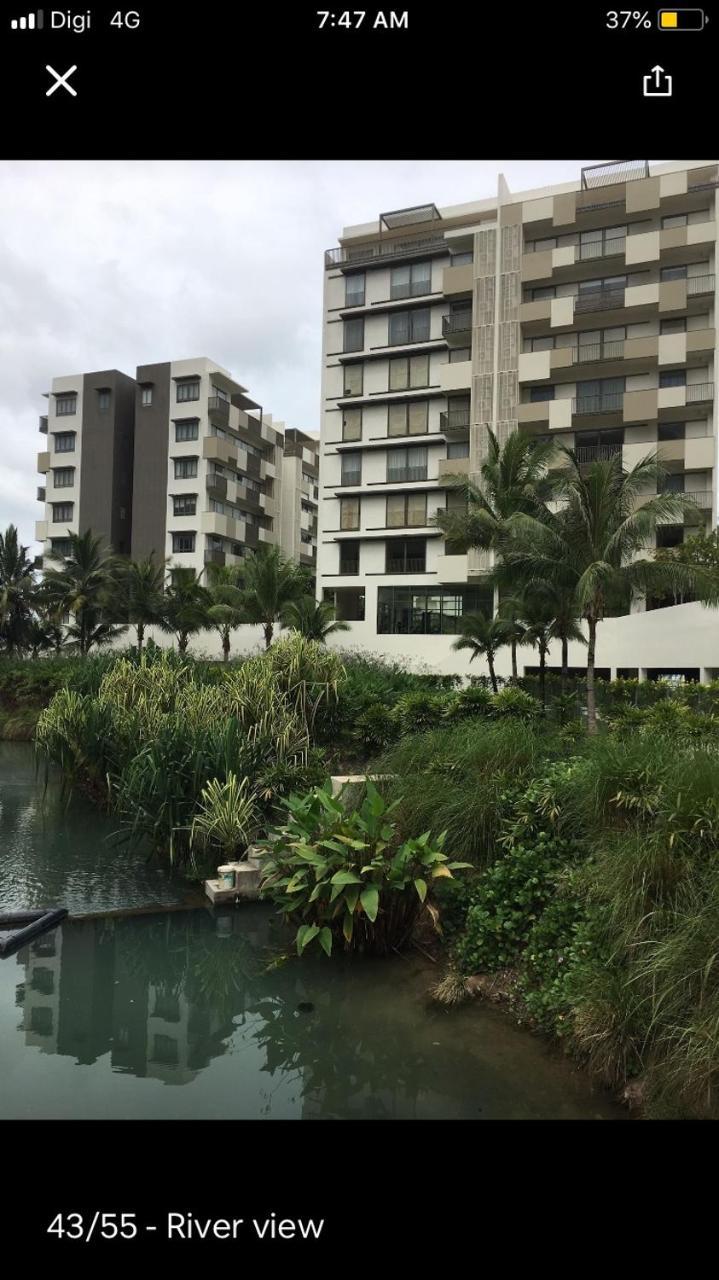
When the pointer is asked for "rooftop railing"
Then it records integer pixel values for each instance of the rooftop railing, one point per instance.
(417, 247)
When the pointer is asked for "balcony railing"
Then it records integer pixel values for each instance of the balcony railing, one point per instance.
(456, 322)
(412, 564)
(699, 284)
(600, 300)
(698, 391)
(351, 477)
(601, 248)
(406, 475)
(592, 351)
(349, 568)
(702, 497)
(610, 172)
(385, 249)
(219, 407)
(454, 420)
(43, 423)
(596, 452)
(611, 403)
(41, 493)
(214, 556)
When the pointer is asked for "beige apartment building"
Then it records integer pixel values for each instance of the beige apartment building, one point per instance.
(583, 313)
(179, 461)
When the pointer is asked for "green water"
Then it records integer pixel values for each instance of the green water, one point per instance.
(186, 1014)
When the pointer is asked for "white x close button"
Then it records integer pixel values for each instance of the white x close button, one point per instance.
(61, 80)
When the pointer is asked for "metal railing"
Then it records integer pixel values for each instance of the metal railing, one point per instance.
(610, 403)
(406, 475)
(597, 452)
(349, 568)
(600, 300)
(601, 248)
(387, 249)
(611, 172)
(216, 404)
(412, 564)
(699, 284)
(699, 391)
(456, 322)
(587, 352)
(454, 419)
(351, 477)
(702, 497)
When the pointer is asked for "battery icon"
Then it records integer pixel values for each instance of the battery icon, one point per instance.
(681, 19)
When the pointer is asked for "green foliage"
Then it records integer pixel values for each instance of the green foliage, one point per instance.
(376, 728)
(416, 712)
(346, 878)
(515, 703)
(226, 818)
(475, 700)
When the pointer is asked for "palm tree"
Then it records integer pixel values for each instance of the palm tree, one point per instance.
(315, 619)
(510, 611)
(16, 591)
(484, 636)
(185, 607)
(514, 478)
(227, 609)
(38, 637)
(269, 583)
(549, 613)
(86, 588)
(140, 593)
(593, 546)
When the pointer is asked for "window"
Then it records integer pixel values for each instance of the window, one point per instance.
(103, 400)
(406, 510)
(406, 555)
(64, 477)
(220, 393)
(419, 610)
(459, 449)
(184, 504)
(411, 281)
(62, 512)
(188, 430)
(349, 557)
(409, 326)
(601, 243)
(544, 291)
(672, 377)
(673, 273)
(457, 355)
(355, 290)
(146, 397)
(672, 483)
(675, 220)
(408, 419)
(671, 431)
(461, 259)
(538, 394)
(543, 343)
(60, 546)
(349, 513)
(353, 379)
(348, 603)
(185, 468)
(351, 468)
(183, 542)
(353, 334)
(408, 372)
(600, 395)
(351, 424)
(539, 246)
(189, 390)
(65, 405)
(670, 535)
(405, 465)
(678, 325)
(65, 442)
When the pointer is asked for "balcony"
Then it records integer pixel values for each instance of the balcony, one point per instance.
(613, 248)
(216, 485)
(590, 405)
(218, 411)
(406, 475)
(43, 463)
(392, 250)
(702, 497)
(699, 392)
(453, 466)
(599, 300)
(41, 493)
(457, 327)
(454, 420)
(697, 285)
(588, 453)
(214, 557)
(591, 352)
(42, 423)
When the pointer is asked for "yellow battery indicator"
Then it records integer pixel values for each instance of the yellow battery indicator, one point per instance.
(681, 19)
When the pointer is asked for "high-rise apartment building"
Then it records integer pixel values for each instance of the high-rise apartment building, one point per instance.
(179, 461)
(88, 463)
(582, 313)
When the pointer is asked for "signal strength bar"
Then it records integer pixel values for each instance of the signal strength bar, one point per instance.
(33, 22)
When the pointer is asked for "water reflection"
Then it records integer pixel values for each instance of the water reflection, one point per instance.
(195, 1000)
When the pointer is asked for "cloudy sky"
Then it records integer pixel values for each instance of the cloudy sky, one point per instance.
(114, 264)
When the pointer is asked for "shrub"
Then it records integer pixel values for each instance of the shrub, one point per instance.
(376, 728)
(514, 702)
(416, 712)
(226, 818)
(345, 878)
(475, 700)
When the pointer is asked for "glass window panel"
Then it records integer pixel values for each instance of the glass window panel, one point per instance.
(421, 278)
(676, 325)
(539, 394)
(671, 431)
(673, 378)
(544, 291)
(395, 509)
(419, 371)
(458, 449)
(589, 337)
(420, 324)
(418, 418)
(349, 513)
(399, 282)
(589, 237)
(353, 379)
(461, 259)
(351, 468)
(673, 273)
(399, 328)
(417, 509)
(549, 242)
(352, 424)
(675, 220)
(349, 557)
(354, 334)
(545, 343)
(397, 420)
(355, 290)
(398, 375)
(458, 355)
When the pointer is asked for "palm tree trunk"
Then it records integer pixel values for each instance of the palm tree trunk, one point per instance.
(226, 644)
(182, 639)
(543, 675)
(515, 677)
(591, 702)
(565, 662)
(269, 630)
(140, 627)
(492, 676)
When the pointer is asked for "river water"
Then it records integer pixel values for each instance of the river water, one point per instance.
(184, 1012)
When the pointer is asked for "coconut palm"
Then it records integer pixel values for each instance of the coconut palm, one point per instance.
(16, 592)
(270, 582)
(549, 613)
(140, 593)
(227, 610)
(185, 607)
(593, 545)
(85, 587)
(484, 637)
(315, 619)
